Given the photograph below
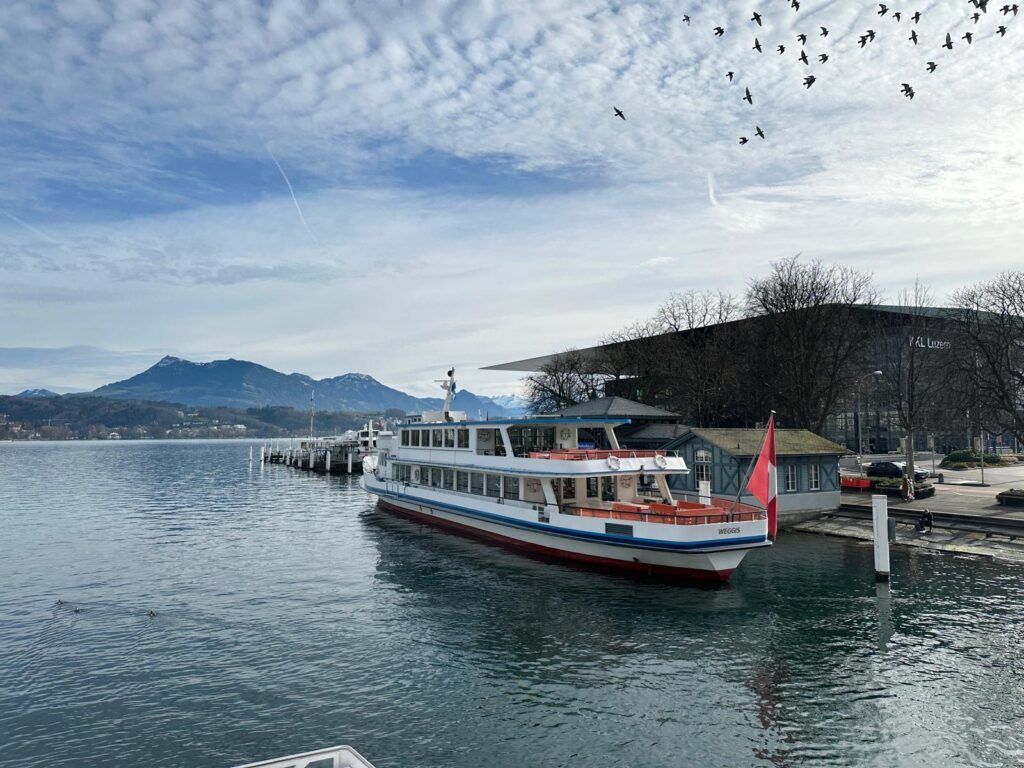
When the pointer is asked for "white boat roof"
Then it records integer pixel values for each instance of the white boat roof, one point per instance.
(542, 421)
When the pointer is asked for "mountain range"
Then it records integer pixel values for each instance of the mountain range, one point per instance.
(243, 384)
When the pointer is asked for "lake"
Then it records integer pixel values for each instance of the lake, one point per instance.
(291, 614)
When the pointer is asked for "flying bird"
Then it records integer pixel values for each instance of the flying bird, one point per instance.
(759, 132)
(618, 113)
(795, 4)
(882, 9)
(907, 91)
(756, 18)
(949, 42)
(968, 36)
(931, 66)
(782, 49)
(802, 39)
(913, 36)
(871, 35)
(719, 31)
(729, 75)
(916, 17)
(896, 15)
(809, 81)
(803, 56)
(744, 139)
(823, 57)
(687, 20)
(1004, 10)
(748, 98)
(757, 45)
(863, 40)
(1001, 31)
(824, 32)
(976, 16)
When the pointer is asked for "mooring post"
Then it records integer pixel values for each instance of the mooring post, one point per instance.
(250, 455)
(880, 531)
(327, 462)
(350, 459)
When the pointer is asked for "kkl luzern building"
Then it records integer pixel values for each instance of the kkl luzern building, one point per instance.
(865, 411)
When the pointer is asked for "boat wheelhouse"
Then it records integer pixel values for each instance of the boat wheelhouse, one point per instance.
(560, 487)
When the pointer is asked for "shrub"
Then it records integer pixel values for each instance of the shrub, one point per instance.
(960, 457)
(1016, 492)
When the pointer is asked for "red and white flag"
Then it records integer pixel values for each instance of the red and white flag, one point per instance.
(764, 483)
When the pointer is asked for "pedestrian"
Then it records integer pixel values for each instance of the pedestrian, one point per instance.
(910, 488)
(905, 489)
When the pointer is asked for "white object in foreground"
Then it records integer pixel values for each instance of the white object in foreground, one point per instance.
(340, 757)
(880, 531)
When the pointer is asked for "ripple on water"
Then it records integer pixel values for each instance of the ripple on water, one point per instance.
(291, 614)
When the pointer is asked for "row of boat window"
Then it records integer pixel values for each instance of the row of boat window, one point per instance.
(448, 437)
(480, 483)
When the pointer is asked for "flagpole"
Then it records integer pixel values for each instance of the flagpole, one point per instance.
(750, 468)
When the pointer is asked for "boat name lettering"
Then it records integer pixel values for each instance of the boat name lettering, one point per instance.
(723, 531)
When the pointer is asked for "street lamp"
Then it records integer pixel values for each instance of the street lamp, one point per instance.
(860, 440)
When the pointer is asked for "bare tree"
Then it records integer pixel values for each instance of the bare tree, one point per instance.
(811, 342)
(567, 379)
(914, 360)
(991, 343)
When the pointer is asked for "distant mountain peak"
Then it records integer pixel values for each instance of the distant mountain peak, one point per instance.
(37, 393)
(169, 360)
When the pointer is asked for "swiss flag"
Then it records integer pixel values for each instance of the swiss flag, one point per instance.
(764, 483)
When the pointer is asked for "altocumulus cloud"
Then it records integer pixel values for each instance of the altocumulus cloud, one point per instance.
(469, 146)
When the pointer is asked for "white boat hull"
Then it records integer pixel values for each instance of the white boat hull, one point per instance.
(696, 552)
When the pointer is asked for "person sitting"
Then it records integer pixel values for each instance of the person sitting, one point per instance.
(925, 522)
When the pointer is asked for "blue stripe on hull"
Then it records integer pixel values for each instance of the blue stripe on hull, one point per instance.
(602, 538)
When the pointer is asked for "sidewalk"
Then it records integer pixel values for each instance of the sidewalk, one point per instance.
(960, 542)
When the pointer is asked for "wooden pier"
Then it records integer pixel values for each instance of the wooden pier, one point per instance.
(325, 456)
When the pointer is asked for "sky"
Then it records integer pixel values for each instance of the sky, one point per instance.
(392, 187)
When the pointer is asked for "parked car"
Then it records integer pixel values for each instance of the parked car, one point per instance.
(893, 469)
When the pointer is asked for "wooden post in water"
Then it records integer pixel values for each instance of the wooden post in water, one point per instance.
(327, 462)
(350, 458)
(880, 531)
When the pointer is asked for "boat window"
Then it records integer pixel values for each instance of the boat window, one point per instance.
(568, 488)
(405, 437)
(593, 487)
(494, 485)
(463, 438)
(511, 487)
(449, 479)
(462, 482)
(477, 484)
(437, 440)
(415, 441)
(607, 489)
(647, 485)
(531, 439)
(435, 477)
(424, 476)
(449, 438)
(425, 434)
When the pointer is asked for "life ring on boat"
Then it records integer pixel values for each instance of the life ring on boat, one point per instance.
(660, 461)
(415, 474)
(614, 462)
(563, 434)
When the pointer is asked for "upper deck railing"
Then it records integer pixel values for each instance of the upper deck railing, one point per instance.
(584, 454)
(680, 513)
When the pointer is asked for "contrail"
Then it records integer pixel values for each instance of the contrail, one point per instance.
(711, 190)
(29, 227)
(294, 199)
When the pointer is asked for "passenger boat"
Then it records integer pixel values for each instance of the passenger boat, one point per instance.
(559, 487)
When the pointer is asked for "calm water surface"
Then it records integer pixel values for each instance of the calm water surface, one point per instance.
(291, 614)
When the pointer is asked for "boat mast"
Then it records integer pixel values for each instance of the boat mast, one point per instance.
(312, 392)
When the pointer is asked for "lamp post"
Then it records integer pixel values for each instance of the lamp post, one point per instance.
(860, 439)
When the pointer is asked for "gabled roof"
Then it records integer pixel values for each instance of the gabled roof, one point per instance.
(616, 407)
(747, 442)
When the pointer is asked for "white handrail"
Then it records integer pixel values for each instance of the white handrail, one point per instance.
(340, 757)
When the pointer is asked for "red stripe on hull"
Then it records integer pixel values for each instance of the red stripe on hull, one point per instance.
(647, 569)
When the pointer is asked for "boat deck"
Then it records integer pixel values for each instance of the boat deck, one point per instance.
(680, 513)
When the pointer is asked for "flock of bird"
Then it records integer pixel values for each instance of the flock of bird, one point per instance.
(1007, 11)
